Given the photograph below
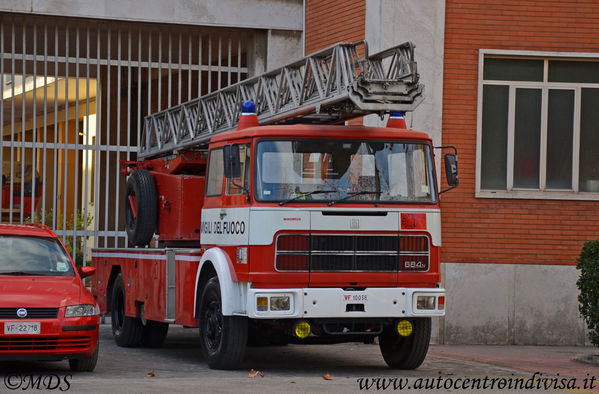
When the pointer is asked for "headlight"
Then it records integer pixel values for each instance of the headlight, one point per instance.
(80, 310)
(425, 302)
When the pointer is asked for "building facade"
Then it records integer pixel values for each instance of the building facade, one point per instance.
(513, 85)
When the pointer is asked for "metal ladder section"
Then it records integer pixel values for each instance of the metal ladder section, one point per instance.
(329, 86)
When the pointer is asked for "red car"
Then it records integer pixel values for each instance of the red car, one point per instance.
(46, 313)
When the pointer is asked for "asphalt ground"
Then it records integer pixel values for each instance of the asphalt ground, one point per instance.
(178, 367)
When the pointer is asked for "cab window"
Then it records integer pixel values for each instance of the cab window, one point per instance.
(240, 185)
(216, 172)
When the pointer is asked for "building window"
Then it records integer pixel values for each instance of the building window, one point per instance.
(538, 126)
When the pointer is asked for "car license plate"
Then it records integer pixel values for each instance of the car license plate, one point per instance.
(22, 328)
(355, 297)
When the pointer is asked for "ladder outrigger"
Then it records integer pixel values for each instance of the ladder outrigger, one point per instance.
(329, 86)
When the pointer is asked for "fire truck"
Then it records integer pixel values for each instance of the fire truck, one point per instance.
(274, 222)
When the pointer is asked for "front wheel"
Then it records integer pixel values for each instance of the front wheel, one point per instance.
(223, 339)
(86, 364)
(406, 352)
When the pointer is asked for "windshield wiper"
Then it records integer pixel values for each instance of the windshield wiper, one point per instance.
(352, 195)
(21, 273)
(305, 194)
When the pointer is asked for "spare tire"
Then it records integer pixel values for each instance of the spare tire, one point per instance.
(140, 207)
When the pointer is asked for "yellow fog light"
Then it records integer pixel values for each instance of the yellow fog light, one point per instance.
(405, 328)
(302, 329)
(280, 303)
(262, 304)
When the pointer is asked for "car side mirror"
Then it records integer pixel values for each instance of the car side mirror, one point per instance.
(232, 161)
(86, 271)
(451, 169)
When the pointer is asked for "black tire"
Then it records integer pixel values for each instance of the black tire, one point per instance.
(141, 221)
(87, 364)
(127, 331)
(406, 352)
(223, 339)
(154, 334)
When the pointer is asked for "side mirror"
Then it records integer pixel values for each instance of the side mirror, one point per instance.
(451, 169)
(232, 161)
(86, 271)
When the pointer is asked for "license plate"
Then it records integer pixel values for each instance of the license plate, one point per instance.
(355, 297)
(22, 328)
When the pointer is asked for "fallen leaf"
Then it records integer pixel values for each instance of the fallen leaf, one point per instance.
(292, 381)
(446, 373)
(152, 373)
(327, 376)
(253, 373)
(574, 358)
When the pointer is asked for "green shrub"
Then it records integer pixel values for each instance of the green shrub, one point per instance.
(588, 284)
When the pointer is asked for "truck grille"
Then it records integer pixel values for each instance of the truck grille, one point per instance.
(32, 313)
(366, 253)
(41, 343)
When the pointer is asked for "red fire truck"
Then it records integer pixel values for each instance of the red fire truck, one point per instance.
(280, 224)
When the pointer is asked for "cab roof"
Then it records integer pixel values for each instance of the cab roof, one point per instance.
(320, 131)
(32, 229)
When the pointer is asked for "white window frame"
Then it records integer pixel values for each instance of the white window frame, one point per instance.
(542, 192)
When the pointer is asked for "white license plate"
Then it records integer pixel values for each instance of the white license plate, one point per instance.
(355, 297)
(22, 328)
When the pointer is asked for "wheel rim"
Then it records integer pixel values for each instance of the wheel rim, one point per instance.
(213, 325)
(118, 314)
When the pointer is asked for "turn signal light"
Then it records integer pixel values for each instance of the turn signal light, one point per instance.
(262, 304)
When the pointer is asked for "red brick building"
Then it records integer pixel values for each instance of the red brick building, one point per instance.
(520, 100)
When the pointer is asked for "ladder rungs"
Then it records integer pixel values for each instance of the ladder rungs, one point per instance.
(329, 86)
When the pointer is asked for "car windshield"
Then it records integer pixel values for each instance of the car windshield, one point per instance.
(26, 255)
(344, 171)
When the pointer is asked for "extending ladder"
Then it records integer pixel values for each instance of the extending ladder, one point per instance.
(329, 86)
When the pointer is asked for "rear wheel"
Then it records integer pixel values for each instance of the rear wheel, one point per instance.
(84, 364)
(140, 207)
(154, 334)
(223, 339)
(127, 331)
(406, 352)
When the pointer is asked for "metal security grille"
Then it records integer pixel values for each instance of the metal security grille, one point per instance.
(74, 94)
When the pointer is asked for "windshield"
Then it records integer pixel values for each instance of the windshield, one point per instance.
(25, 255)
(344, 170)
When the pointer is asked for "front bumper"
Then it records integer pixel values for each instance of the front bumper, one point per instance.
(339, 303)
(59, 338)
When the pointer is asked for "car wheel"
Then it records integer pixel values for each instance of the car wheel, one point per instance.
(127, 331)
(223, 339)
(85, 364)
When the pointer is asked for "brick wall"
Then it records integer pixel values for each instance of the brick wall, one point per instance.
(331, 21)
(502, 230)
